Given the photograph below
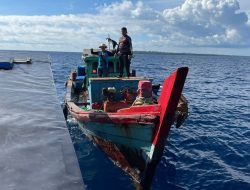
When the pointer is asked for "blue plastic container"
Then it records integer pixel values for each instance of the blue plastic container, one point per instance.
(79, 78)
(6, 65)
(81, 70)
(79, 83)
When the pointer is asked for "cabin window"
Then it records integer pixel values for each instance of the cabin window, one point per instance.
(94, 67)
(111, 67)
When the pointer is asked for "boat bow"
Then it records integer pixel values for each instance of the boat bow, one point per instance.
(169, 98)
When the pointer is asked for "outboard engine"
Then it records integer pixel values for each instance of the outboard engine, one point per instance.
(109, 93)
(128, 94)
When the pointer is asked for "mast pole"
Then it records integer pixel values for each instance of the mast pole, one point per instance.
(109, 41)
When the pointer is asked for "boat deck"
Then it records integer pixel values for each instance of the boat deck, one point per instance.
(36, 151)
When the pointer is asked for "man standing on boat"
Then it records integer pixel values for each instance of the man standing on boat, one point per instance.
(124, 51)
(102, 69)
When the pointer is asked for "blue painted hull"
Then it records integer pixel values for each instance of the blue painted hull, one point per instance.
(127, 145)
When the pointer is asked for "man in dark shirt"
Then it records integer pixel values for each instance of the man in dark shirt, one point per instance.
(124, 51)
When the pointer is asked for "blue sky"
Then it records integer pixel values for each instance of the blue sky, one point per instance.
(55, 7)
(46, 7)
(195, 26)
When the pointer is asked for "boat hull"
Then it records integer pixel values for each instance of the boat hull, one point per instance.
(119, 143)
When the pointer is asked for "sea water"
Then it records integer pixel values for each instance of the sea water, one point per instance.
(210, 151)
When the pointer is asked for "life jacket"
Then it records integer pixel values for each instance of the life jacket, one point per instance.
(103, 59)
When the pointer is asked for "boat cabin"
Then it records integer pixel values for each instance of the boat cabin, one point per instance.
(101, 89)
(88, 70)
(91, 64)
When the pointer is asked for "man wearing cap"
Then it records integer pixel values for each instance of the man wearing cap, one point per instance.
(124, 51)
(102, 69)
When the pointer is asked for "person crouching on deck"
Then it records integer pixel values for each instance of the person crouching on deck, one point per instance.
(102, 69)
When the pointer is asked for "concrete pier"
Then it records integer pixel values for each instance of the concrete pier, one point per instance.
(36, 152)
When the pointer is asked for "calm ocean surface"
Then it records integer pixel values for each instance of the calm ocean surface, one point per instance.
(210, 151)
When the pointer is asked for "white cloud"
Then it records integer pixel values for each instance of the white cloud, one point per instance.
(244, 5)
(203, 23)
(248, 23)
(210, 22)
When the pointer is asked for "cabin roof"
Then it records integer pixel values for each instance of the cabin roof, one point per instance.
(115, 78)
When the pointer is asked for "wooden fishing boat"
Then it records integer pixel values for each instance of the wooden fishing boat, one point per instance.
(132, 135)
